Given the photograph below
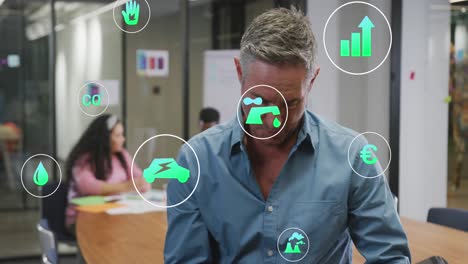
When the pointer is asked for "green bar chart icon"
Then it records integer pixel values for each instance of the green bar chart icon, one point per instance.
(355, 44)
(360, 44)
(344, 48)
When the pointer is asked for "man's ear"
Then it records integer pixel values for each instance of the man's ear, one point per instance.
(238, 69)
(309, 87)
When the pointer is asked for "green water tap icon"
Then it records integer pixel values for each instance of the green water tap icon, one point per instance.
(256, 112)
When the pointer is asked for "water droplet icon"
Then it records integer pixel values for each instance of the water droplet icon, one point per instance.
(276, 122)
(41, 176)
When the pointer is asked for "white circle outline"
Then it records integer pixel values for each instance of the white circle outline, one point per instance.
(133, 162)
(131, 32)
(60, 179)
(79, 102)
(308, 244)
(389, 46)
(389, 160)
(287, 111)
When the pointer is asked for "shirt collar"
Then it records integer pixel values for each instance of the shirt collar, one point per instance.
(308, 133)
(236, 136)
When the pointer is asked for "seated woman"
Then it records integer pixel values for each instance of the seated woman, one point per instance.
(99, 165)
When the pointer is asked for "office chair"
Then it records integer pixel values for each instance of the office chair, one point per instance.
(450, 217)
(434, 260)
(395, 201)
(47, 243)
(53, 210)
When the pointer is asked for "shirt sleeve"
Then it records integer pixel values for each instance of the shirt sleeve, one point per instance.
(86, 181)
(187, 237)
(373, 221)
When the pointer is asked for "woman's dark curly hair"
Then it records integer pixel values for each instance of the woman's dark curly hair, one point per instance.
(95, 142)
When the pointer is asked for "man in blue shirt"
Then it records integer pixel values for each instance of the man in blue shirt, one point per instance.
(256, 183)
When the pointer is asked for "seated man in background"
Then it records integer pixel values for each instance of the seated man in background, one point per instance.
(251, 190)
(208, 117)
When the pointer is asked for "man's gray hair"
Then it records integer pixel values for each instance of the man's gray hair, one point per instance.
(279, 36)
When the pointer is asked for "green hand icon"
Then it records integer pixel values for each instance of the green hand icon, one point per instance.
(131, 14)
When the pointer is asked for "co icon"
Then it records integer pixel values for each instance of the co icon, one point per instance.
(93, 98)
(88, 100)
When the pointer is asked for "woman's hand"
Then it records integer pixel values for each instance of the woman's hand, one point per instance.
(142, 185)
(127, 186)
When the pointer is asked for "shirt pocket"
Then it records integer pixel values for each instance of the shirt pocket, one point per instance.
(323, 221)
(313, 213)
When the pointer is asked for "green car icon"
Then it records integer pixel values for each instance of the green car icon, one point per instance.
(166, 168)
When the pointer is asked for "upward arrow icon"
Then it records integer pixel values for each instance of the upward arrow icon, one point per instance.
(366, 25)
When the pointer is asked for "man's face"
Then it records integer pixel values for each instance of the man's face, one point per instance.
(290, 81)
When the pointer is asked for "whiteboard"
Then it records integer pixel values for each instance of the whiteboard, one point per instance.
(221, 89)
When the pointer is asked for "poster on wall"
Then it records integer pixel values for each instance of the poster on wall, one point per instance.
(111, 88)
(152, 63)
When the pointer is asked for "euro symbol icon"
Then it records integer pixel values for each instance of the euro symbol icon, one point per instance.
(367, 154)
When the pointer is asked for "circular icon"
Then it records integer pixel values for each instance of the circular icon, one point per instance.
(368, 153)
(165, 168)
(131, 15)
(356, 50)
(37, 168)
(293, 244)
(256, 110)
(91, 100)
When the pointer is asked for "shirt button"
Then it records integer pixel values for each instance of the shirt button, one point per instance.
(270, 209)
(270, 253)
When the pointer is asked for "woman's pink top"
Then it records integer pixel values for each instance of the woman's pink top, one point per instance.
(85, 182)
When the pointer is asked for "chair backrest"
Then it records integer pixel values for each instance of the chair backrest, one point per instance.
(434, 260)
(47, 243)
(53, 209)
(395, 202)
(451, 217)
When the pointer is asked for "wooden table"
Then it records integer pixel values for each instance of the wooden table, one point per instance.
(426, 240)
(140, 239)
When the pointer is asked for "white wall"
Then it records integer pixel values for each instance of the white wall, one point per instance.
(219, 71)
(348, 99)
(423, 125)
(324, 95)
(87, 50)
(362, 102)
(358, 102)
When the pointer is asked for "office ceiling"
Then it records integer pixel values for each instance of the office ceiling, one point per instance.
(37, 13)
(158, 7)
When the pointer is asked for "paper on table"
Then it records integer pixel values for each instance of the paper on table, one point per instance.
(88, 200)
(91, 200)
(98, 208)
(155, 196)
(112, 198)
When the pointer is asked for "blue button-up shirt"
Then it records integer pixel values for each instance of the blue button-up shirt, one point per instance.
(227, 219)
